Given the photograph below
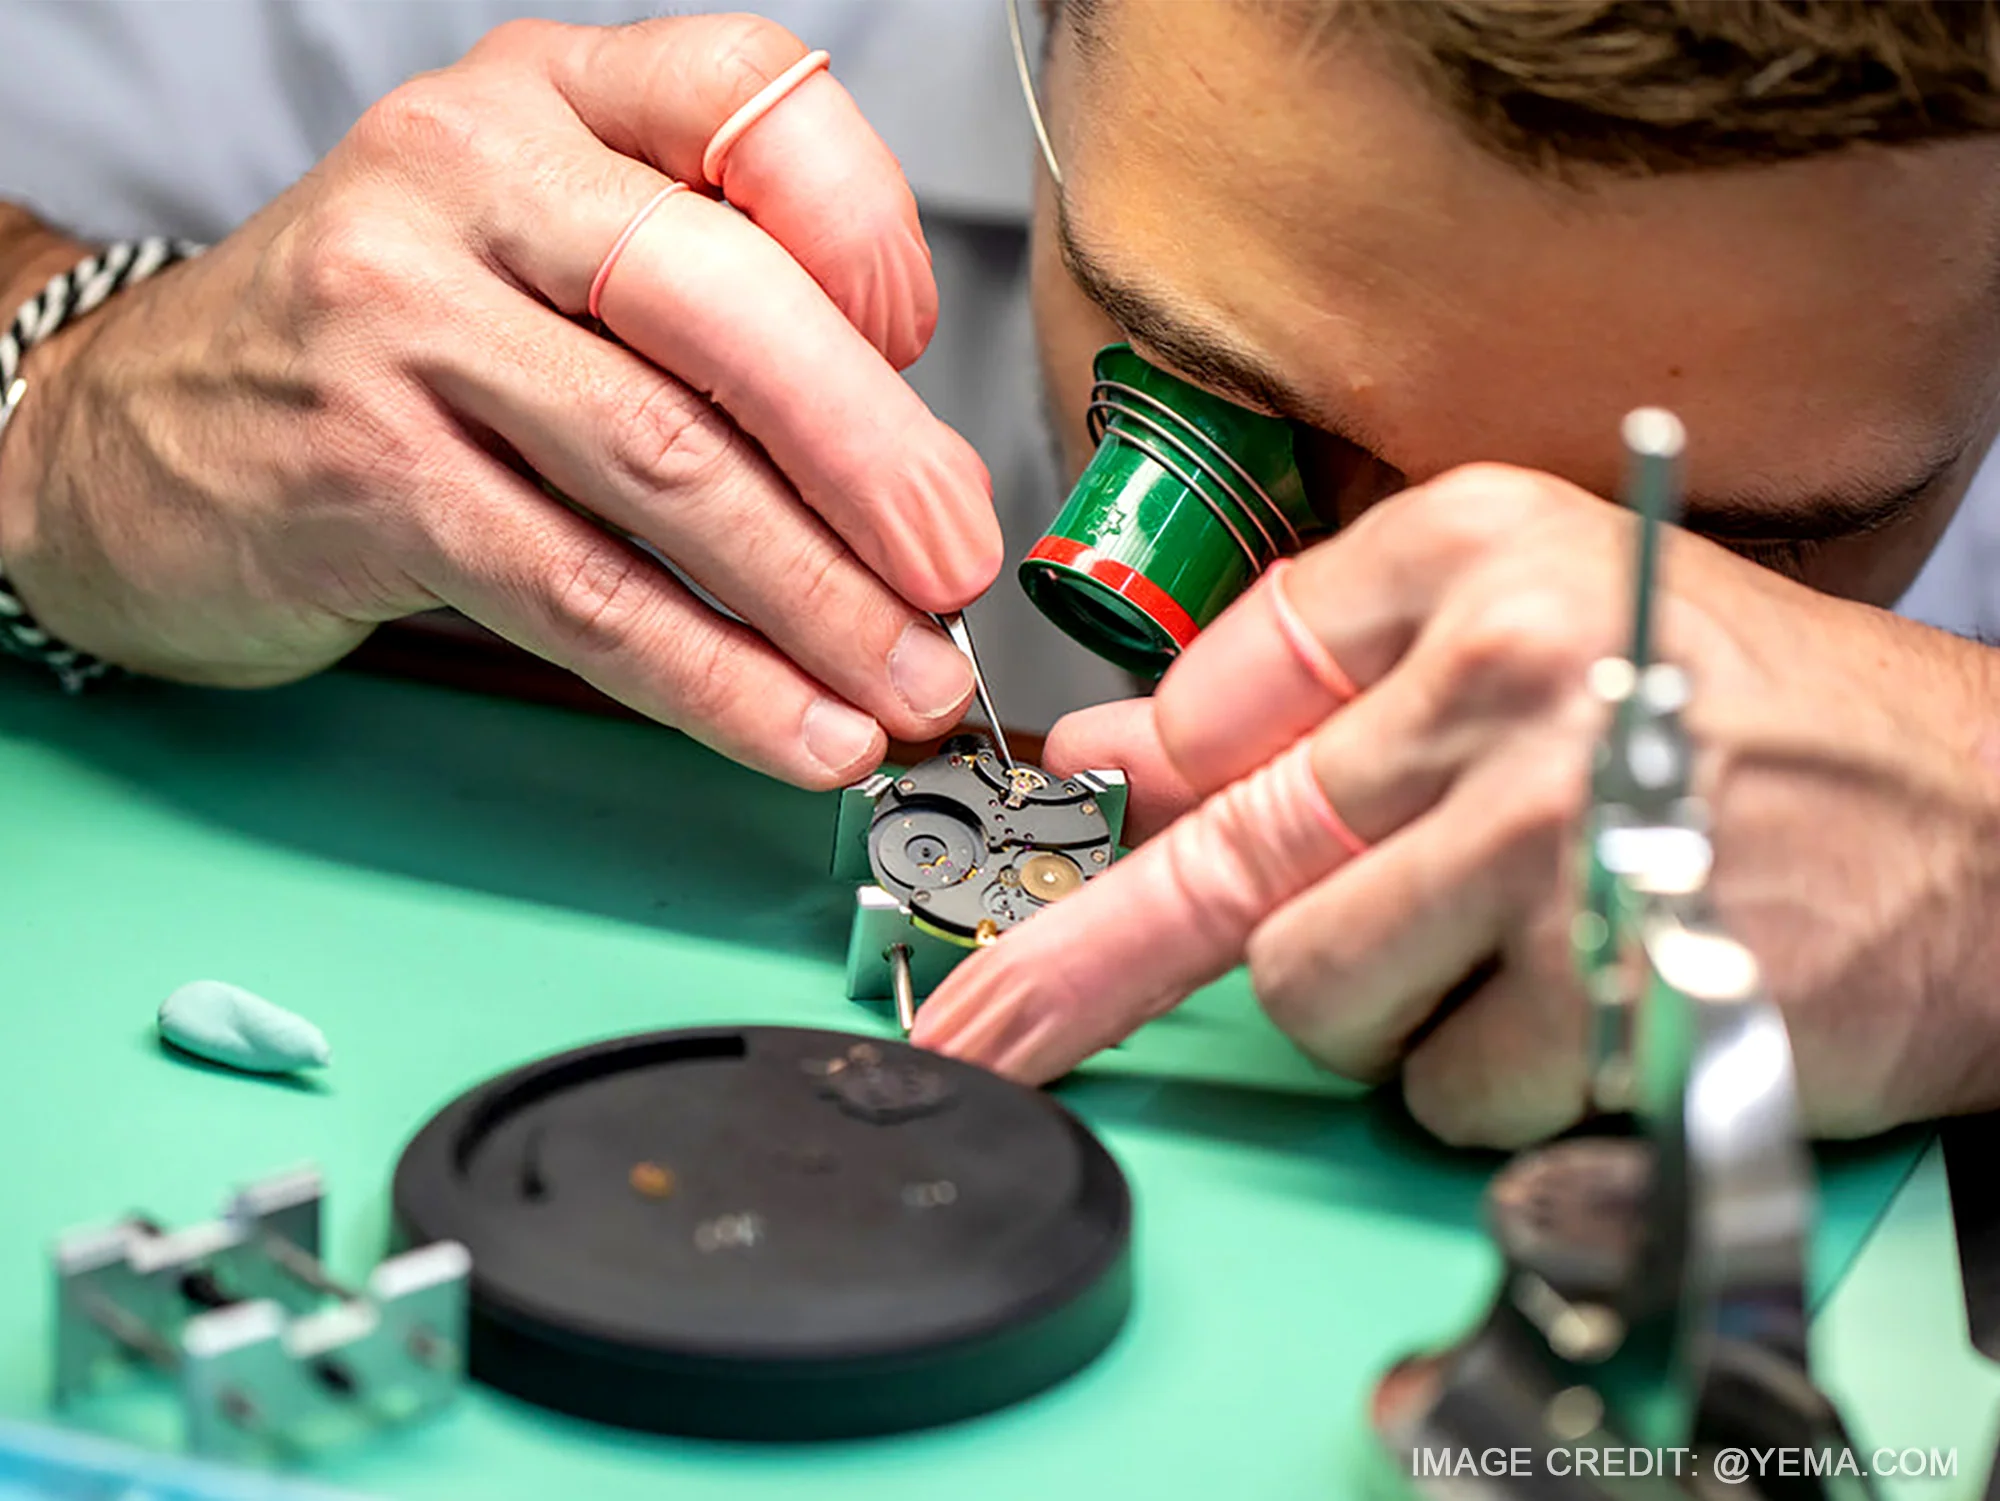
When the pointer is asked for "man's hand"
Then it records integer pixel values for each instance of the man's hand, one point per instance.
(362, 404)
(1849, 759)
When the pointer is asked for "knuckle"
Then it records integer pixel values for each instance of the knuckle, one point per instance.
(1503, 494)
(1518, 641)
(339, 265)
(1289, 1001)
(597, 598)
(1475, 506)
(1543, 803)
(745, 53)
(668, 438)
(1274, 980)
(707, 685)
(1185, 725)
(821, 585)
(349, 262)
(427, 118)
(1455, 1116)
(520, 37)
(1299, 997)
(1464, 1102)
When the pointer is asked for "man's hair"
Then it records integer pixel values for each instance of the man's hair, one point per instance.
(1677, 85)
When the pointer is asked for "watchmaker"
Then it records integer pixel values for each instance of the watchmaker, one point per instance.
(1456, 243)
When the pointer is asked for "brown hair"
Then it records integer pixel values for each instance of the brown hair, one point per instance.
(1674, 85)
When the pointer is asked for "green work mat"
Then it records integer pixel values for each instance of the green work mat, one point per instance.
(452, 885)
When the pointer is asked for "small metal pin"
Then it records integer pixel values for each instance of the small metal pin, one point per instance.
(961, 636)
(1654, 443)
(904, 987)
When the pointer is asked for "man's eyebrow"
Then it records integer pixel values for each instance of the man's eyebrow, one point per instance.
(1826, 517)
(1207, 356)
(1212, 359)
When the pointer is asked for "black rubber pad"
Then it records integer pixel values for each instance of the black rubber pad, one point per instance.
(772, 1232)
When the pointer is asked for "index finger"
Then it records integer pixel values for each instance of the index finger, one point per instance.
(709, 296)
(1336, 620)
(721, 305)
(812, 174)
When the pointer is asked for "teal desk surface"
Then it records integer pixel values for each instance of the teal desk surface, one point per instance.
(452, 885)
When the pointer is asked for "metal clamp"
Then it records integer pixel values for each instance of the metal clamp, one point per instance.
(270, 1353)
(1654, 1291)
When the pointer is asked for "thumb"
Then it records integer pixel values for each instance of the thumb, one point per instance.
(1123, 736)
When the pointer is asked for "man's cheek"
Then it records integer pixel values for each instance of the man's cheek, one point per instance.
(1069, 330)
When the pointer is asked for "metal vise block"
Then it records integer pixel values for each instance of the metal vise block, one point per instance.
(269, 1352)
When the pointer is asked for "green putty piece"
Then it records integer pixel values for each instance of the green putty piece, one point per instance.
(227, 1024)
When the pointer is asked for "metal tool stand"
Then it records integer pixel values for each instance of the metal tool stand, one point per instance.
(269, 1352)
(1653, 1298)
(990, 823)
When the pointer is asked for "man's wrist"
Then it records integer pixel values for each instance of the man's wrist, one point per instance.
(51, 287)
(30, 253)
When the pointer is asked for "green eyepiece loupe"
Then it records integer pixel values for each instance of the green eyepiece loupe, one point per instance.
(1187, 500)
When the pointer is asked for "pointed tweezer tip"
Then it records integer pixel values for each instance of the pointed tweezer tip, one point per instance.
(961, 635)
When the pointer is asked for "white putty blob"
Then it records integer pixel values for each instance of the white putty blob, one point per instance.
(227, 1024)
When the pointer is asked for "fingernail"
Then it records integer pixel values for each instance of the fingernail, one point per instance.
(928, 672)
(837, 735)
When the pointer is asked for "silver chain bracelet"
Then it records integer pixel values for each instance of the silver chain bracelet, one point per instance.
(68, 296)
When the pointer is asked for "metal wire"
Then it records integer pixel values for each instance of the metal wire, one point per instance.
(1654, 441)
(1133, 394)
(1027, 77)
(1133, 440)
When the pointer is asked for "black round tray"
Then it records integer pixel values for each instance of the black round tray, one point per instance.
(772, 1232)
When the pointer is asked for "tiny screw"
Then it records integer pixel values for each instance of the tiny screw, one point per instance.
(920, 897)
(1098, 857)
(1088, 808)
(729, 1232)
(906, 785)
(930, 1195)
